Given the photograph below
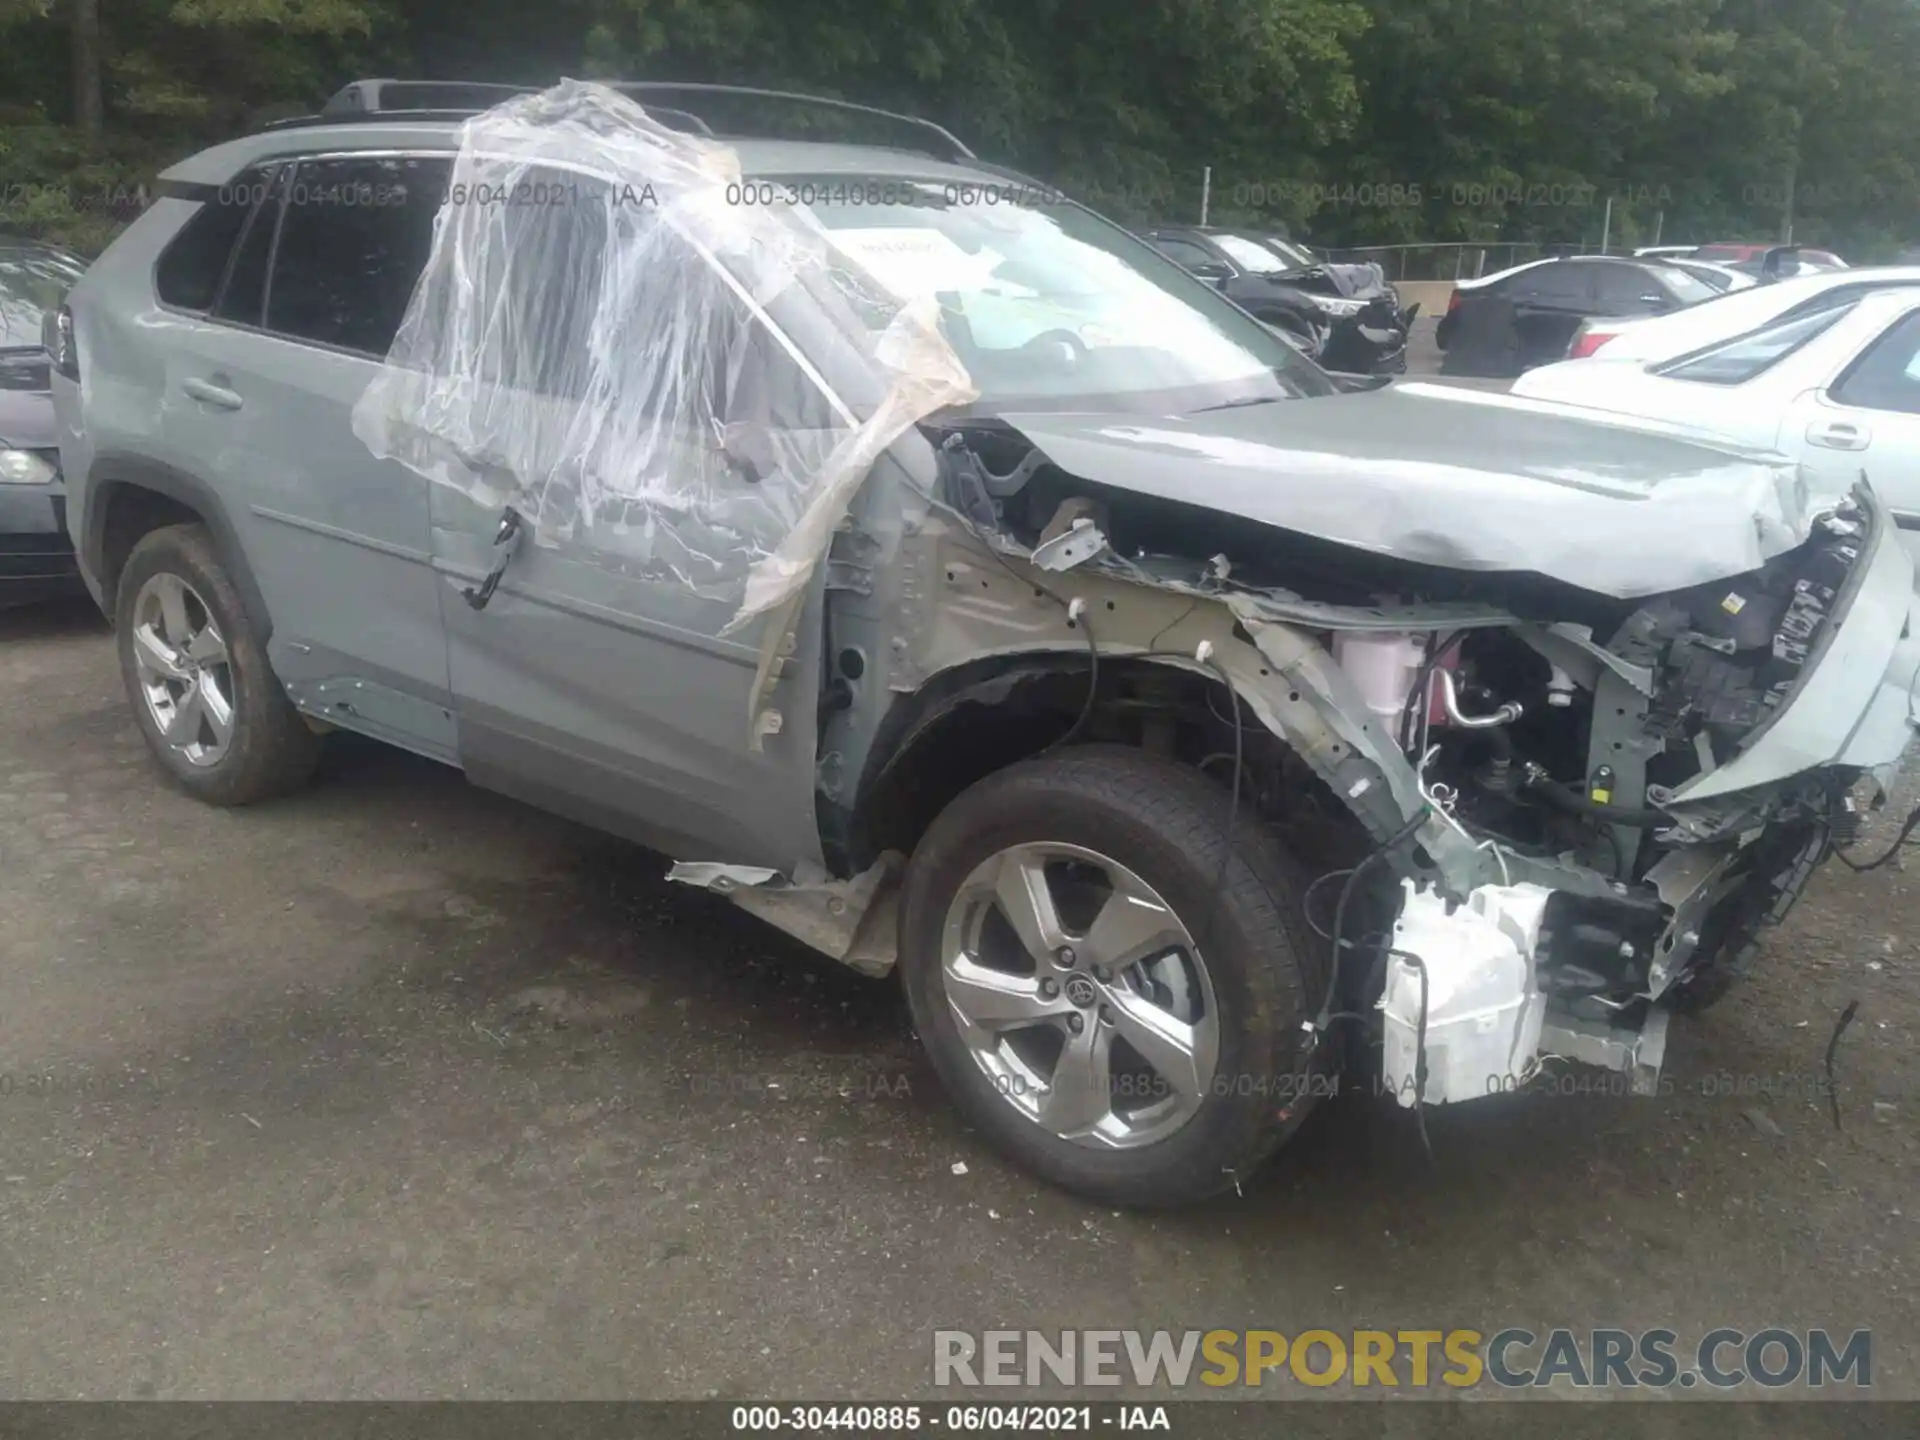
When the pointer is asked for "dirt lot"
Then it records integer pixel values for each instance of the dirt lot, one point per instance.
(398, 1089)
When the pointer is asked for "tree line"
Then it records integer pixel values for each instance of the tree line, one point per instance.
(1346, 121)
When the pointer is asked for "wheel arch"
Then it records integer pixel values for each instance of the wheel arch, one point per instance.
(981, 716)
(130, 496)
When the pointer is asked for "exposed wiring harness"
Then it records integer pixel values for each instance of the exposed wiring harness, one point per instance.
(1340, 942)
(1887, 855)
(1419, 1052)
(1306, 901)
(1833, 1046)
(1077, 615)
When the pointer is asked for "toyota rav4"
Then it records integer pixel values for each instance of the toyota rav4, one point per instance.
(954, 582)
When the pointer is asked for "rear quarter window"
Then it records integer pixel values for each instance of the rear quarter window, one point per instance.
(190, 269)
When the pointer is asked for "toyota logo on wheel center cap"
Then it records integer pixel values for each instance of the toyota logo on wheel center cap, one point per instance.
(1080, 991)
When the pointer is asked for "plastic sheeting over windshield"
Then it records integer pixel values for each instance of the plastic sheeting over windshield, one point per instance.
(588, 345)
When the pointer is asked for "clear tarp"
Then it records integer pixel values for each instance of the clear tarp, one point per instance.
(588, 345)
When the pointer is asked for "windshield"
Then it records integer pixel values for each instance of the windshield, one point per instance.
(1292, 254)
(1251, 255)
(32, 280)
(1047, 304)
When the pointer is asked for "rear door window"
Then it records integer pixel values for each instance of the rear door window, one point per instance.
(1887, 375)
(1558, 286)
(190, 269)
(354, 237)
(244, 295)
(1628, 290)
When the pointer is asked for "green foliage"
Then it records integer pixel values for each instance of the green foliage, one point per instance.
(1353, 121)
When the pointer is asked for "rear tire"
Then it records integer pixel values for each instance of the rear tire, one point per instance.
(212, 710)
(1158, 827)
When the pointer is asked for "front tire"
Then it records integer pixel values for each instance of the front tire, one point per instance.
(212, 710)
(1088, 999)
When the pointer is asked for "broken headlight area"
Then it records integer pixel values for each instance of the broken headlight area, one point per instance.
(1730, 654)
(1585, 768)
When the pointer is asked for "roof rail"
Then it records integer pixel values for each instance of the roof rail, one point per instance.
(367, 97)
(950, 146)
(368, 100)
(441, 99)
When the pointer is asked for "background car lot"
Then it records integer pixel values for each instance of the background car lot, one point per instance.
(398, 1088)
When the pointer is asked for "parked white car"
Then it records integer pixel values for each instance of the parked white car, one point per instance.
(1836, 386)
(1660, 337)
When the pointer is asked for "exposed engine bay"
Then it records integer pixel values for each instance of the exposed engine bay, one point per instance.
(1555, 731)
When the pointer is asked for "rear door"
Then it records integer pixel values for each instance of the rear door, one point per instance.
(1868, 421)
(262, 388)
(1549, 302)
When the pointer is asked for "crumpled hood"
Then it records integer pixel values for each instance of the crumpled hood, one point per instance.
(1462, 479)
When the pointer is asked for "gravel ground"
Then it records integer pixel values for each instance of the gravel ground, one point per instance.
(399, 1089)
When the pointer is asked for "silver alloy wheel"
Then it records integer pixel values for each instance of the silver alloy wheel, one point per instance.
(1081, 995)
(185, 675)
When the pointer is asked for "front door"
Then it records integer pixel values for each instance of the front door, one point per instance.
(593, 679)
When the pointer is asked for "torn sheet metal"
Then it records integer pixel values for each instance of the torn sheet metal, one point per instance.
(1073, 547)
(713, 875)
(1418, 473)
(853, 921)
(598, 357)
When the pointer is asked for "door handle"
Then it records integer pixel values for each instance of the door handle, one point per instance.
(506, 541)
(216, 395)
(1838, 435)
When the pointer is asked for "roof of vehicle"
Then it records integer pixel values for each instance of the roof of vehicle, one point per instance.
(1250, 232)
(1738, 311)
(1644, 262)
(1683, 262)
(386, 114)
(1876, 306)
(1740, 252)
(757, 157)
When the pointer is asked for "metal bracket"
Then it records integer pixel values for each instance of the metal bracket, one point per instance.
(1636, 1053)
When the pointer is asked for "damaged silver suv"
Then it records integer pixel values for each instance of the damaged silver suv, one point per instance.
(954, 582)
